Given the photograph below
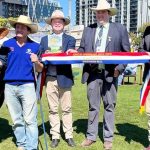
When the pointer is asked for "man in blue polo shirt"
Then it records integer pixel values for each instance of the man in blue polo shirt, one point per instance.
(20, 95)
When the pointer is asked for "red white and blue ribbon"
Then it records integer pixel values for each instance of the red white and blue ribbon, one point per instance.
(104, 58)
(99, 57)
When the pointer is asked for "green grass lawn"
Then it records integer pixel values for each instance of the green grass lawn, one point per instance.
(130, 126)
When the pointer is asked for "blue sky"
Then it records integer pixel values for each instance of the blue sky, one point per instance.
(64, 4)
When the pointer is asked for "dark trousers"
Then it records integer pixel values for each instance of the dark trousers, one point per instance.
(97, 89)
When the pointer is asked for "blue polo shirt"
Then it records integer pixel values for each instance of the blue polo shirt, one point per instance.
(19, 66)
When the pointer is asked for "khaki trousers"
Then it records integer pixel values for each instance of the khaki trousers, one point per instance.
(59, 96)
(148, 114)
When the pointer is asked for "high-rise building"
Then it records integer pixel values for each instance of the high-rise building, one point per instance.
(12, 8)
(39, 10)
(84, 16)
(131, 13)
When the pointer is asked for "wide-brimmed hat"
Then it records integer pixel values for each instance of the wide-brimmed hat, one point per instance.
(3, 32)
(104, 5)
(25, 20)
(58, 14)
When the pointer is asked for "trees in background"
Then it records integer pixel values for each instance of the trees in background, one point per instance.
(137, 37)
(4, 22)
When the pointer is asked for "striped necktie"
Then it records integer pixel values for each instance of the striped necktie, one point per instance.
(98, 44)
(99, 39)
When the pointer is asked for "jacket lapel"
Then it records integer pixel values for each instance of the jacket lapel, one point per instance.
(93, 37)
(46, 40)
(64, 37)
(109, 36)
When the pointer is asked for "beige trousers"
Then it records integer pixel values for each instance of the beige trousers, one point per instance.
(148, 114)
(59, 96)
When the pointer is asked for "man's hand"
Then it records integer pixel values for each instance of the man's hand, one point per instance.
(1, 65)
(71, 51)
(148, 53)
(38, 65)
(34, 58)
(116, 73)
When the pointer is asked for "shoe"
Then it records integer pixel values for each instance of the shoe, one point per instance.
(147, 148)
(87, 142)
(107, 145)
(70, 142)
(55, 143)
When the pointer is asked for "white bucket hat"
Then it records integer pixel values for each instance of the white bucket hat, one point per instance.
(57, 14)
(104, 5)
(25, 20)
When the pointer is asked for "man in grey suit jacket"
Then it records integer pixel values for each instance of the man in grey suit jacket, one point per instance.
(59, 79)
(145, 46)
(102, 79)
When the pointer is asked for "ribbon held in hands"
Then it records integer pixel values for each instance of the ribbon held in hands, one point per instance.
(97, 57)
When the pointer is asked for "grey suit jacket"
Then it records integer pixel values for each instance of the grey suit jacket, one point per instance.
(117, 41)
(145, 46)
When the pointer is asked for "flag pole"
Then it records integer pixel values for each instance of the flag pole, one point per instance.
(41, 110)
